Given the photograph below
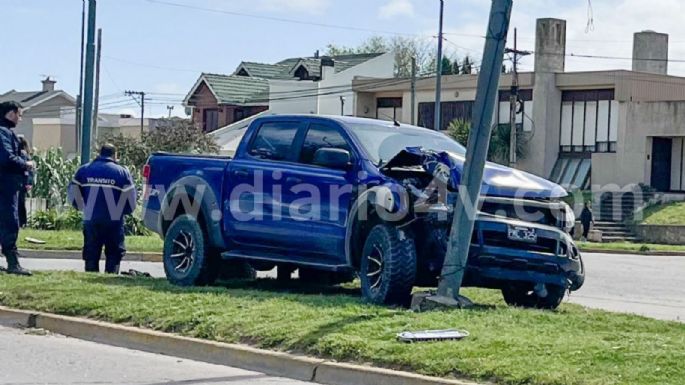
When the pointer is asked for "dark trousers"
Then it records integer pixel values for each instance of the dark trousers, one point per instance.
(586, 229)
(107, 234)
(9, 221)
(23, 220)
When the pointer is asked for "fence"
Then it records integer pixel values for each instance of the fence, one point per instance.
(34, 205)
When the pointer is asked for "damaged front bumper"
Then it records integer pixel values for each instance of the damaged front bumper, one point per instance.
(543, 254)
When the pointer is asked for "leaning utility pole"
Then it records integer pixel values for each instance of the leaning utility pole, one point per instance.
(142, 108)
(514, 99)
(88, 84)
(97, 85)
(438, 77)
(413, 90)
(466, 208)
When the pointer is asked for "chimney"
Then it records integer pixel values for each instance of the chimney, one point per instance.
(650, 52)
(327, 67)
(550, 45)
(48, 84)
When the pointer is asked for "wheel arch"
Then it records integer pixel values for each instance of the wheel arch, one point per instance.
(187, 191)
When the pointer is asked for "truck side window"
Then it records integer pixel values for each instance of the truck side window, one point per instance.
(320, 136)
(274, 140)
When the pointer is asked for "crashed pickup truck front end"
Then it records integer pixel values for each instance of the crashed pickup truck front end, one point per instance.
(520, 234)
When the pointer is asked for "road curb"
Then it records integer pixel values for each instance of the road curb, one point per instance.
(244, 357)
(637, 253)
(74, 254)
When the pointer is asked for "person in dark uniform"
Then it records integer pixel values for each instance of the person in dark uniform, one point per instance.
(586, 219)
(28, 180)
(104, 191)
(12, 176)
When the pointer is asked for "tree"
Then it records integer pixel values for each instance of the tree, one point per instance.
(404, 48)
(170, 135)
(447, 68)
(456, 67)
(498, 151)
(466, 67)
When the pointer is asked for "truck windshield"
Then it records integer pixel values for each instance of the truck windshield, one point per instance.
(382, 142)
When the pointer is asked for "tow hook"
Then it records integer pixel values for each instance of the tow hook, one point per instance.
(540, 290)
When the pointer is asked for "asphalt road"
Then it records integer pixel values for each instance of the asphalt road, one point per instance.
(653, 286)
(31, 357)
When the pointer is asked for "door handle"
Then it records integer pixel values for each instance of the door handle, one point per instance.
(293, 180)
(241, 173)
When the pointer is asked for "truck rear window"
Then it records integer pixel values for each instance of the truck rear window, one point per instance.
(274, 140)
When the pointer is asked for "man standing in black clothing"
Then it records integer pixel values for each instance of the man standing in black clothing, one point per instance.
(586, 219)
(13, 169)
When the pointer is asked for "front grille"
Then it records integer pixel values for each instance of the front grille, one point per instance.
(500, 239)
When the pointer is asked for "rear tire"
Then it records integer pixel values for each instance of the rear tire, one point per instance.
(388, 266)
(188, 260)
(522, 295)
(237, 270)
(324, 278)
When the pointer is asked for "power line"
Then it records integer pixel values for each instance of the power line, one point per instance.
(279, 19)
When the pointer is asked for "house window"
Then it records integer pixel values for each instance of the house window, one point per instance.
(238, 114)
(210, 119)
(389, 109)
(589, 121)
(449, 112)
(302, 73)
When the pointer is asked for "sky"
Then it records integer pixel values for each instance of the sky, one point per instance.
(161, 46)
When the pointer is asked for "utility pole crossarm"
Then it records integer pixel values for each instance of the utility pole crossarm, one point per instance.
(141, 94)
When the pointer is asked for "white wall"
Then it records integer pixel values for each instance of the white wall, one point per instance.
(380, 67)
(293, 97)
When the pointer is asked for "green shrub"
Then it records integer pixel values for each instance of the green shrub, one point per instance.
(71, 219)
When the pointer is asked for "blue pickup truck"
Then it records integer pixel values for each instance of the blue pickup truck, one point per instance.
(341, 197)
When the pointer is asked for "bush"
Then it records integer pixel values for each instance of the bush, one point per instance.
(52, 219)
(170, 135)
(71, 219)
(498, 151)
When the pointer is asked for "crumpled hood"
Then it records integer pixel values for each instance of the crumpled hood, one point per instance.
(498, 180)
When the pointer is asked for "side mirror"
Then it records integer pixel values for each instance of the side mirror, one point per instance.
(334, 158)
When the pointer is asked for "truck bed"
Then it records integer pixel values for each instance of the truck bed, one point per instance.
(167, 169)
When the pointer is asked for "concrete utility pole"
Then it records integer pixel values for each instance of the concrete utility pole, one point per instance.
(142, 108)
(342, 106)
(413, 90)
(88, 84)
(438, 77)
(514, 99)
(469, 189)
(170, 108)
(97, 85)
(79, 97)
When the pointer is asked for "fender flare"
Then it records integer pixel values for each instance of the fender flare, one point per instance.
(210, 208)
(381, 196)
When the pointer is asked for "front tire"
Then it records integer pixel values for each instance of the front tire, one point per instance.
(522, 295)
(388, 266)
(188, 260)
